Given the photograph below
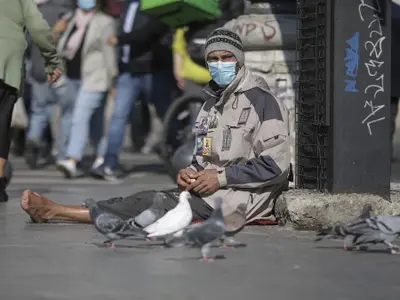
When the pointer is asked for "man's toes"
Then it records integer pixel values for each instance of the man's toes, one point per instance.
(25, 199)
(31, 204)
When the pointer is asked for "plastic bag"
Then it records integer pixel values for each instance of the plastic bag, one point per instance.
(19, 117)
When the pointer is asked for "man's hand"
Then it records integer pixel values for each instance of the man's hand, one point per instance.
(54, 76)
(205, 182)
(180, 81)
(184, 178)
(112, 40)
(60, 26)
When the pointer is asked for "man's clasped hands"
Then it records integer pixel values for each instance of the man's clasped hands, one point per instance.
(203, 182)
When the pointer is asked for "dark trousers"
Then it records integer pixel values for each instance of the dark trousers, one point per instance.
(8, 97)
(133, 205)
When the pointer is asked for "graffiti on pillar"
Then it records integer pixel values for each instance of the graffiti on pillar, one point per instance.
(267, 29)
(351, 63)
(374, 49)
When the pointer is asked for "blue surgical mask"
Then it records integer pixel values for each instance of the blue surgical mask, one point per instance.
(222, 73)
(86, 4)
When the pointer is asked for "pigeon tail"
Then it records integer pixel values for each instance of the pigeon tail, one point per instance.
(332, 232)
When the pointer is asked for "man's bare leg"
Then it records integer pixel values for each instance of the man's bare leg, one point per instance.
(41, 209)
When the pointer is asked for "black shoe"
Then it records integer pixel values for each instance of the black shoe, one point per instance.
(3, 193)
(32, 153)
(106, 173)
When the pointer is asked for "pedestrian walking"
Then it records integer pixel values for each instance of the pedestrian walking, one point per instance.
(15, 17)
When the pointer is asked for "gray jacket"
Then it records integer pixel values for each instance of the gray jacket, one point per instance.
(51, 11)
(244, 134)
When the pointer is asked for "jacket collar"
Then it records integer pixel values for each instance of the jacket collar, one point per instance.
(222, 95)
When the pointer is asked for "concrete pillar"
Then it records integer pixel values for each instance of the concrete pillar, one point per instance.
(348, 62)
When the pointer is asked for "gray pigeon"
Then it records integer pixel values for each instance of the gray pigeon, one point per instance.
(234, 223)
(375, 230)
(202, 235)
(111, 226)
(152, 214)
(337, 231)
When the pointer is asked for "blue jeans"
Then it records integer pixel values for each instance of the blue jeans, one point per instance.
(87, 120)
(44, 97)
(156, 88)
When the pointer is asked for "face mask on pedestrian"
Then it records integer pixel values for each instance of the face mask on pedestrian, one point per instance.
(86, 4)
(222, 72)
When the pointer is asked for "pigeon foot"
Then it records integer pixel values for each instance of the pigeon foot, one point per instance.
(109, 244)
(347, 248)
(207, 259)
(226, 246)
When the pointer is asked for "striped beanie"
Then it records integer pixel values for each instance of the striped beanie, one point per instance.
(222, 39)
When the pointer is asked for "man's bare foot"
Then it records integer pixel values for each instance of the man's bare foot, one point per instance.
(36, 206)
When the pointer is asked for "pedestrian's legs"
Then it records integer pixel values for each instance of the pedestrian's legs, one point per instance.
(86, 105)
(159, 88)
(161, 91)
(39, 121)
(128, 89)
(97, 137)
(67, 103)
(39, 107)
(8, 97)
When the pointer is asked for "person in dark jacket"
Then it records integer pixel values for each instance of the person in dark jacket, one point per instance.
(145, 67)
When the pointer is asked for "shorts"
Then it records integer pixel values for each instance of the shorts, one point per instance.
(131, 206)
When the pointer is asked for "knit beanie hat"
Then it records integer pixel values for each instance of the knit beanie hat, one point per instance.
(222, 39)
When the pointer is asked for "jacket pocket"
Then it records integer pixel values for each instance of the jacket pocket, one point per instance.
(231, 144)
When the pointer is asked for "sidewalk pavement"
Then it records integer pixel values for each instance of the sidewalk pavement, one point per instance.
(62, 261)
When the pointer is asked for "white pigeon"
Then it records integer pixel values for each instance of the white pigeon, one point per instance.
(173, 221)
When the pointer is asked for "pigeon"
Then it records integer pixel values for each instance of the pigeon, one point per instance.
(174, 221)
(374, 230)
(202, 235)
(111, 226)
(234, 223)
(336, 232)
(152, 214)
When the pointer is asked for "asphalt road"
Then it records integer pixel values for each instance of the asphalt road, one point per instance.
(64, 261)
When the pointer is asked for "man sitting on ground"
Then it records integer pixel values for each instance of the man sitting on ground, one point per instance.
(242, 152)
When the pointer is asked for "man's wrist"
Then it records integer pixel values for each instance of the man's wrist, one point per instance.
(221, 178)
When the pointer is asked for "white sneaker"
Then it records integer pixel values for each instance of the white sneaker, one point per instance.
(68, 168)
(98, 162)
